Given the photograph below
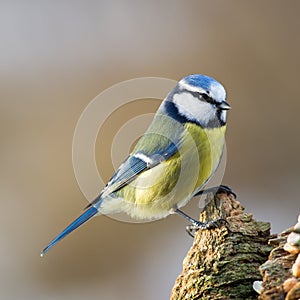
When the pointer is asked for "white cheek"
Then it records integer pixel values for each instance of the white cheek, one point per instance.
(194, 109)
(223, 116)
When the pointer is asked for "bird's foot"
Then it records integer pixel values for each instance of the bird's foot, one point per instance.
(227, 190)
(197, 225)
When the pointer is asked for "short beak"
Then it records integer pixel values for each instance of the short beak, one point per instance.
(224, 106)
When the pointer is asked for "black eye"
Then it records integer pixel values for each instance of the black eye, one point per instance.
(208, 99)
(205, 96)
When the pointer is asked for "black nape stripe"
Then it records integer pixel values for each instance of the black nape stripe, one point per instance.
(172, 111)
(201, 96)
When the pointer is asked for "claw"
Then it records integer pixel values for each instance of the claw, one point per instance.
(217, 190)
(227, 190)
(197, 225)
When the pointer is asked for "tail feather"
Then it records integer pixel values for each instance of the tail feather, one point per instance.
(85, 216)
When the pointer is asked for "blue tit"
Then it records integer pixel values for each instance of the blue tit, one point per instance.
(171, 162)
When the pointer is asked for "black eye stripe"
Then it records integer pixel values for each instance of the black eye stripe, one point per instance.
(204, 96)
(201, 96)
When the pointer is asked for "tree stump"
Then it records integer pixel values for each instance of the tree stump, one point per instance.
(224, 262)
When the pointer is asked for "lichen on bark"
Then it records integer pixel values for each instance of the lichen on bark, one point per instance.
(224, 262)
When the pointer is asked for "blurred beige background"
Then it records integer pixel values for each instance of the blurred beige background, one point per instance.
(56, 56)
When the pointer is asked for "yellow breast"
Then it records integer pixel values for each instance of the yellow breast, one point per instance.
(173, 182)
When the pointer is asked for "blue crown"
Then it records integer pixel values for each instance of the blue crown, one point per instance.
(208, 84)
(201, 81)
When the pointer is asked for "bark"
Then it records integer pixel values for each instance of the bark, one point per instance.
(224, 262)
(281, 273)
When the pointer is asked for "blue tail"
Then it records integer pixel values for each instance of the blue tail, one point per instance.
(75, 224)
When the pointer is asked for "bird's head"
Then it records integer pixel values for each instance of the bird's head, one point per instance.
(198, 99)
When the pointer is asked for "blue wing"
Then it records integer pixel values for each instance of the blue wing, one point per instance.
(134, 165)
(127, 172)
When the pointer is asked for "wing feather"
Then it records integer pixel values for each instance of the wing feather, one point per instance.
(134, 165)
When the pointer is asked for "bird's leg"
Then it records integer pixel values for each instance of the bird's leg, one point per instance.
(196, 225)
(217, 190)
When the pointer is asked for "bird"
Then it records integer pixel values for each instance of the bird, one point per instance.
(171, 162)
